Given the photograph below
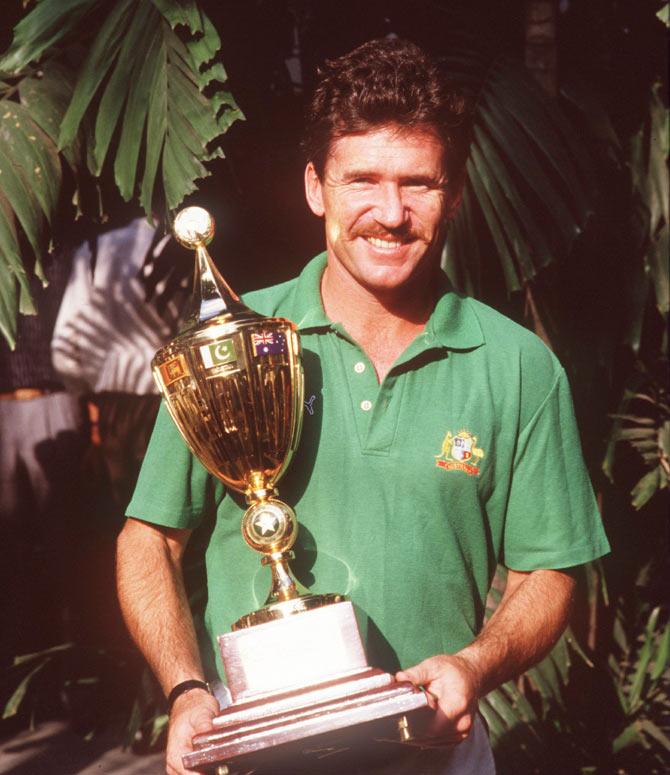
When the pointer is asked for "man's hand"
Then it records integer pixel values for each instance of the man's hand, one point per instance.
(452, 685)
(192, 714)
(529, 619)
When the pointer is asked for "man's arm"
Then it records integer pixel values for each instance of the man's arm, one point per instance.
(530, 618)
(156, 610)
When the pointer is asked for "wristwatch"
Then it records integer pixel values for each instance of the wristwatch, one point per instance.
(183, 687)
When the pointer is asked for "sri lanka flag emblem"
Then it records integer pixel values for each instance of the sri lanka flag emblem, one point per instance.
(269, 343)
(173, 370)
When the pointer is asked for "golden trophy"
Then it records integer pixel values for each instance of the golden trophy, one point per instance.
(297, 674)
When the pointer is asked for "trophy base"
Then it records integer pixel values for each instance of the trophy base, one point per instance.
(301, 686)
(356, 718)
(285, 608)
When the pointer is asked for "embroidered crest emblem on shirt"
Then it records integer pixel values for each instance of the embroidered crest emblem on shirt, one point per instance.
(460, 453)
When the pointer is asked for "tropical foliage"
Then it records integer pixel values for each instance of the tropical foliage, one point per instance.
(644, 416)
(130, 90)
(533, 202)
(565, 208)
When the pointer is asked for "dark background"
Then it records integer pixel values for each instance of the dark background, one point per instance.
(612, 48)
(266, 232)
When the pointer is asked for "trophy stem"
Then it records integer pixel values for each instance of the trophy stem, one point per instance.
(284, 586)
(269, 526)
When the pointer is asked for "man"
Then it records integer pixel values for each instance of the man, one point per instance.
(439, 437)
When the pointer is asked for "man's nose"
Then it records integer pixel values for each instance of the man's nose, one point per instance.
(390, 210)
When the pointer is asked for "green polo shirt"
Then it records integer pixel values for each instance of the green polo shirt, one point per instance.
(408, 493)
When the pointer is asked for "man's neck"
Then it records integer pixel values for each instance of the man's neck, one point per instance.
(383, 324)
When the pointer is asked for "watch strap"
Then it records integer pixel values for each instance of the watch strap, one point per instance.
(183, 687)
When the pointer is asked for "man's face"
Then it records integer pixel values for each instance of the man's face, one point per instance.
(384, 201)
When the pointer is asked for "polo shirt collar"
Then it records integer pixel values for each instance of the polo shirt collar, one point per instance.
(308, 305)
(452, 324)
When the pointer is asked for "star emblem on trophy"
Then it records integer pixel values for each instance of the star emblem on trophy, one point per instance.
(266, 524)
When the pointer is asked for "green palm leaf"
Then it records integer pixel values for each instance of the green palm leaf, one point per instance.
(31, 111)
(650, 174)
(529, 179)
(30, 181)
(511, 721)
(13, 704)
(182, 12)
(137, 107)
(46, 96)
(102, 55)
(109, 110)
(141, 74)
(46, 25)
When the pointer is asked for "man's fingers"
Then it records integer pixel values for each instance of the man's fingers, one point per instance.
(464, 724)
(451, 693)
(202, 720)
(444, 732)
(419, 674)
(173, 765)
(192, 714)
(178, 770)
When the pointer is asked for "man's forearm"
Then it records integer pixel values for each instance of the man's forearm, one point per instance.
(532, 614)
(156, 610)
(154, 603)
(530, 618)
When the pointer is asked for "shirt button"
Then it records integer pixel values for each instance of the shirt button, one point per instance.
(359, 368)
(366, 405)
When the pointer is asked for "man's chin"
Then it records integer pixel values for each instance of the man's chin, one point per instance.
(388, 274)
(384, 280)
(383, 272)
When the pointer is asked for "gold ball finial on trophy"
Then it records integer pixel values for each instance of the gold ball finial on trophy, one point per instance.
(193, 227)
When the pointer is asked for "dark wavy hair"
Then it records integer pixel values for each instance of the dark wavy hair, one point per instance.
(386, 81)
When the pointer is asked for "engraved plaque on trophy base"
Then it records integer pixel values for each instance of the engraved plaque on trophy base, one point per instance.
(301, 690)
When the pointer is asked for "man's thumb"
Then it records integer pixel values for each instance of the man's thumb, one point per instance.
(419, 674)
(201, 720)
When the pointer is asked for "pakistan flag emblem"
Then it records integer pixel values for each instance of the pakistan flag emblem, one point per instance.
(218, 353)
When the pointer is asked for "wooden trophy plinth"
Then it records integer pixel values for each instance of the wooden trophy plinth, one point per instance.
(303, 694)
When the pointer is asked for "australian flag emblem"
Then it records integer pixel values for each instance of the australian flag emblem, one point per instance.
(269, 343)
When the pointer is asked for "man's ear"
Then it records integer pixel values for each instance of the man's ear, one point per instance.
(454, 197)
(453, 203)
(314, 190)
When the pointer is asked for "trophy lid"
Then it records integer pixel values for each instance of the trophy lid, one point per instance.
(212, 296)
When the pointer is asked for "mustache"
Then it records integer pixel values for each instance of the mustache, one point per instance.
(401, 234)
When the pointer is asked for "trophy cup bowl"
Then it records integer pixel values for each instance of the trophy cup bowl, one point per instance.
(232, 381)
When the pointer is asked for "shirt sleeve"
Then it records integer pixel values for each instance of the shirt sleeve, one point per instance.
(552, 519)
(173, 488)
